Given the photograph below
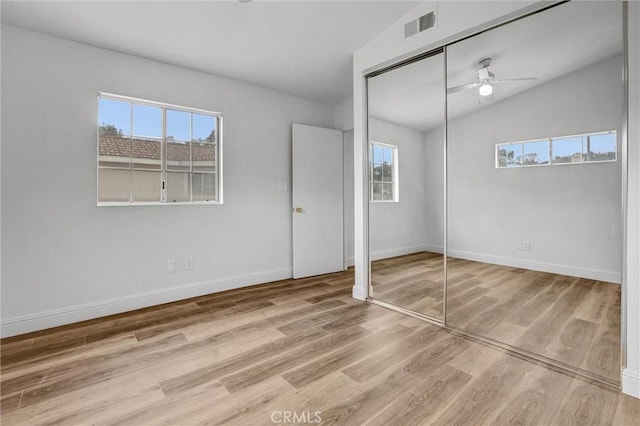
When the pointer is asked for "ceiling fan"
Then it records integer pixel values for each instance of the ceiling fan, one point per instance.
(486, 80)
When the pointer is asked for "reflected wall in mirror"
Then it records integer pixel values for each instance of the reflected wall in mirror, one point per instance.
(534, 185)
(406, 171)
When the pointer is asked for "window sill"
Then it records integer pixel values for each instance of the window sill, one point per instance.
(188, 203)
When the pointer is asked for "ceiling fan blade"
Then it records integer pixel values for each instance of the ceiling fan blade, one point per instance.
(508, 80)
(462, 87)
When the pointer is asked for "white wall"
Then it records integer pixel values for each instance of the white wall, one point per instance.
(571, 215)
(399, 228)
(456, 19)
(0, 172)
(434, 189)
(348, 196)
(63, 258)
(343, 120)
(343, 115)
(631, 375)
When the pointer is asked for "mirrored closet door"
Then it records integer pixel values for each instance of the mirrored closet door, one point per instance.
(505, 150)
(406, 185)
(534, 190)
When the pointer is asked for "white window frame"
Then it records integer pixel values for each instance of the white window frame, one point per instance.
(395, 171)
(163, 170)
(549, 141)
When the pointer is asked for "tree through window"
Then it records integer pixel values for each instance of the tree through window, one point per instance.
(149, 152)
(383, 172)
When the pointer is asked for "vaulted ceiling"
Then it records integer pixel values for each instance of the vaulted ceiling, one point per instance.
(547, 45)
(299, 47)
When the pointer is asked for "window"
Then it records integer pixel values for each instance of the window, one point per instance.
(154, 153)
(585, 148)
(383, 173)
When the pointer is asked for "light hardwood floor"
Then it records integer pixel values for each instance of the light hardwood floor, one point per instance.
(572, 320)
(243, 356)
(413, 281)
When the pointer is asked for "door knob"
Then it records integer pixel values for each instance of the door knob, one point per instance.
(298, 210)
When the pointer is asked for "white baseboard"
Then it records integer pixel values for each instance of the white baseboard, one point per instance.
(574, 271)
(631, 383)
(400, 251)
(351, 261)
(57, 317)
(358, 293)
(433, 249)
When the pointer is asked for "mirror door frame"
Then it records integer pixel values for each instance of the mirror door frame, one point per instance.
(432, 319)
(365, 274)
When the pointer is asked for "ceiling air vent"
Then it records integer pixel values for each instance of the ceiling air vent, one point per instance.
(420, 24)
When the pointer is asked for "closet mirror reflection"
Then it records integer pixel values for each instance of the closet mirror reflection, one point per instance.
(406, 191)
(534, 176)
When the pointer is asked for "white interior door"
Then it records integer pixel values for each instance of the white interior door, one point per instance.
(317, 193)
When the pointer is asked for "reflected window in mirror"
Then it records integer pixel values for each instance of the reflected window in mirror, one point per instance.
(383, 174)
(587, 148)
(584, 148)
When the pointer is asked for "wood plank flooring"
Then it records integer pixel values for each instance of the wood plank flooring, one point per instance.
(413, 281)
(572, 320)
(250, 356)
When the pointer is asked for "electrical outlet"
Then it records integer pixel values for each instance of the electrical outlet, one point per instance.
(524, 246)
(171, 266)
(188, 265)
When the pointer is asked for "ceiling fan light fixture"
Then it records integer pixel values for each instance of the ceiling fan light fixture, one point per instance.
(485, 90)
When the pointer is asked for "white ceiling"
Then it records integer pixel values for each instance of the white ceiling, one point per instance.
(412, 96)
(546, 45)
(303, 48)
